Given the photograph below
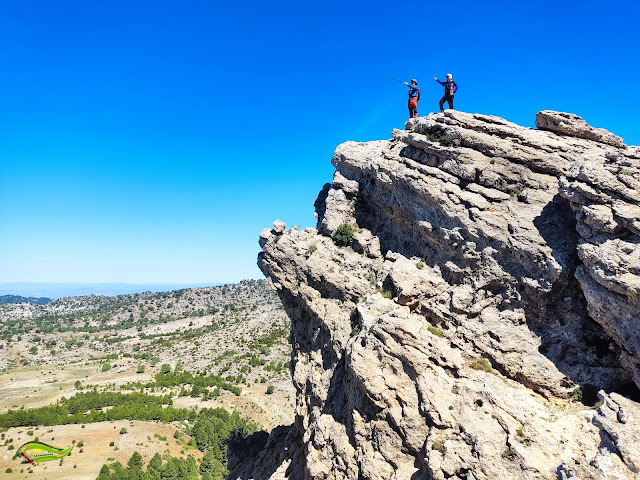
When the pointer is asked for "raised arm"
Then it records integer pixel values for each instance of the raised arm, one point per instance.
(436, 79)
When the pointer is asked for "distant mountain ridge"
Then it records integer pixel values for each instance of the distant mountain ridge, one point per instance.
(21, 299)
(58, 290)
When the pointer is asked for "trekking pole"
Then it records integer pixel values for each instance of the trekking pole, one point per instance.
(395, 79)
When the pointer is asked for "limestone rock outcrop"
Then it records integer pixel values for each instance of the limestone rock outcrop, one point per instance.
(575, 126)
(484, 320)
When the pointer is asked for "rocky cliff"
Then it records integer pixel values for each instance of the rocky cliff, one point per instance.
(484, 320)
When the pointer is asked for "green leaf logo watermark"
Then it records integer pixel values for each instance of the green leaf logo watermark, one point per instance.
(36, 452)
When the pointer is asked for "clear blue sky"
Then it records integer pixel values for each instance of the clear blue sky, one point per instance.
(151, 141)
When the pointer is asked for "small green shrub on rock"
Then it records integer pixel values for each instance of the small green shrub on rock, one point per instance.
(587, 394)
(439, 446)
(438, 133)
(510, 454)
(385, 293)
(344, 235)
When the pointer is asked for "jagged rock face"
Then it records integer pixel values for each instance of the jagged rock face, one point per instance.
(493, 271)
(606, 199)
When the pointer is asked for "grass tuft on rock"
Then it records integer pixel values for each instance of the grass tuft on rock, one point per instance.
(481, 364)
(438, 332)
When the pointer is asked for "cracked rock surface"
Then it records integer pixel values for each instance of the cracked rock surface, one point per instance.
(484, 320)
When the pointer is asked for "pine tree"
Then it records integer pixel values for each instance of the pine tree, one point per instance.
(188, 469)
(171, 471)
(135, 462)
(155, 467)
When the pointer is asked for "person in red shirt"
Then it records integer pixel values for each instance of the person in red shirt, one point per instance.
(414, 97)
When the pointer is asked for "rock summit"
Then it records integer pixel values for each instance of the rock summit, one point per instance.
(483, 321)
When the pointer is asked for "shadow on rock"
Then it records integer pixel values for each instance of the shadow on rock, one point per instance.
(261, 456)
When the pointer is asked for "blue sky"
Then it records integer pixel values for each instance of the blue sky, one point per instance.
(151, 141)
